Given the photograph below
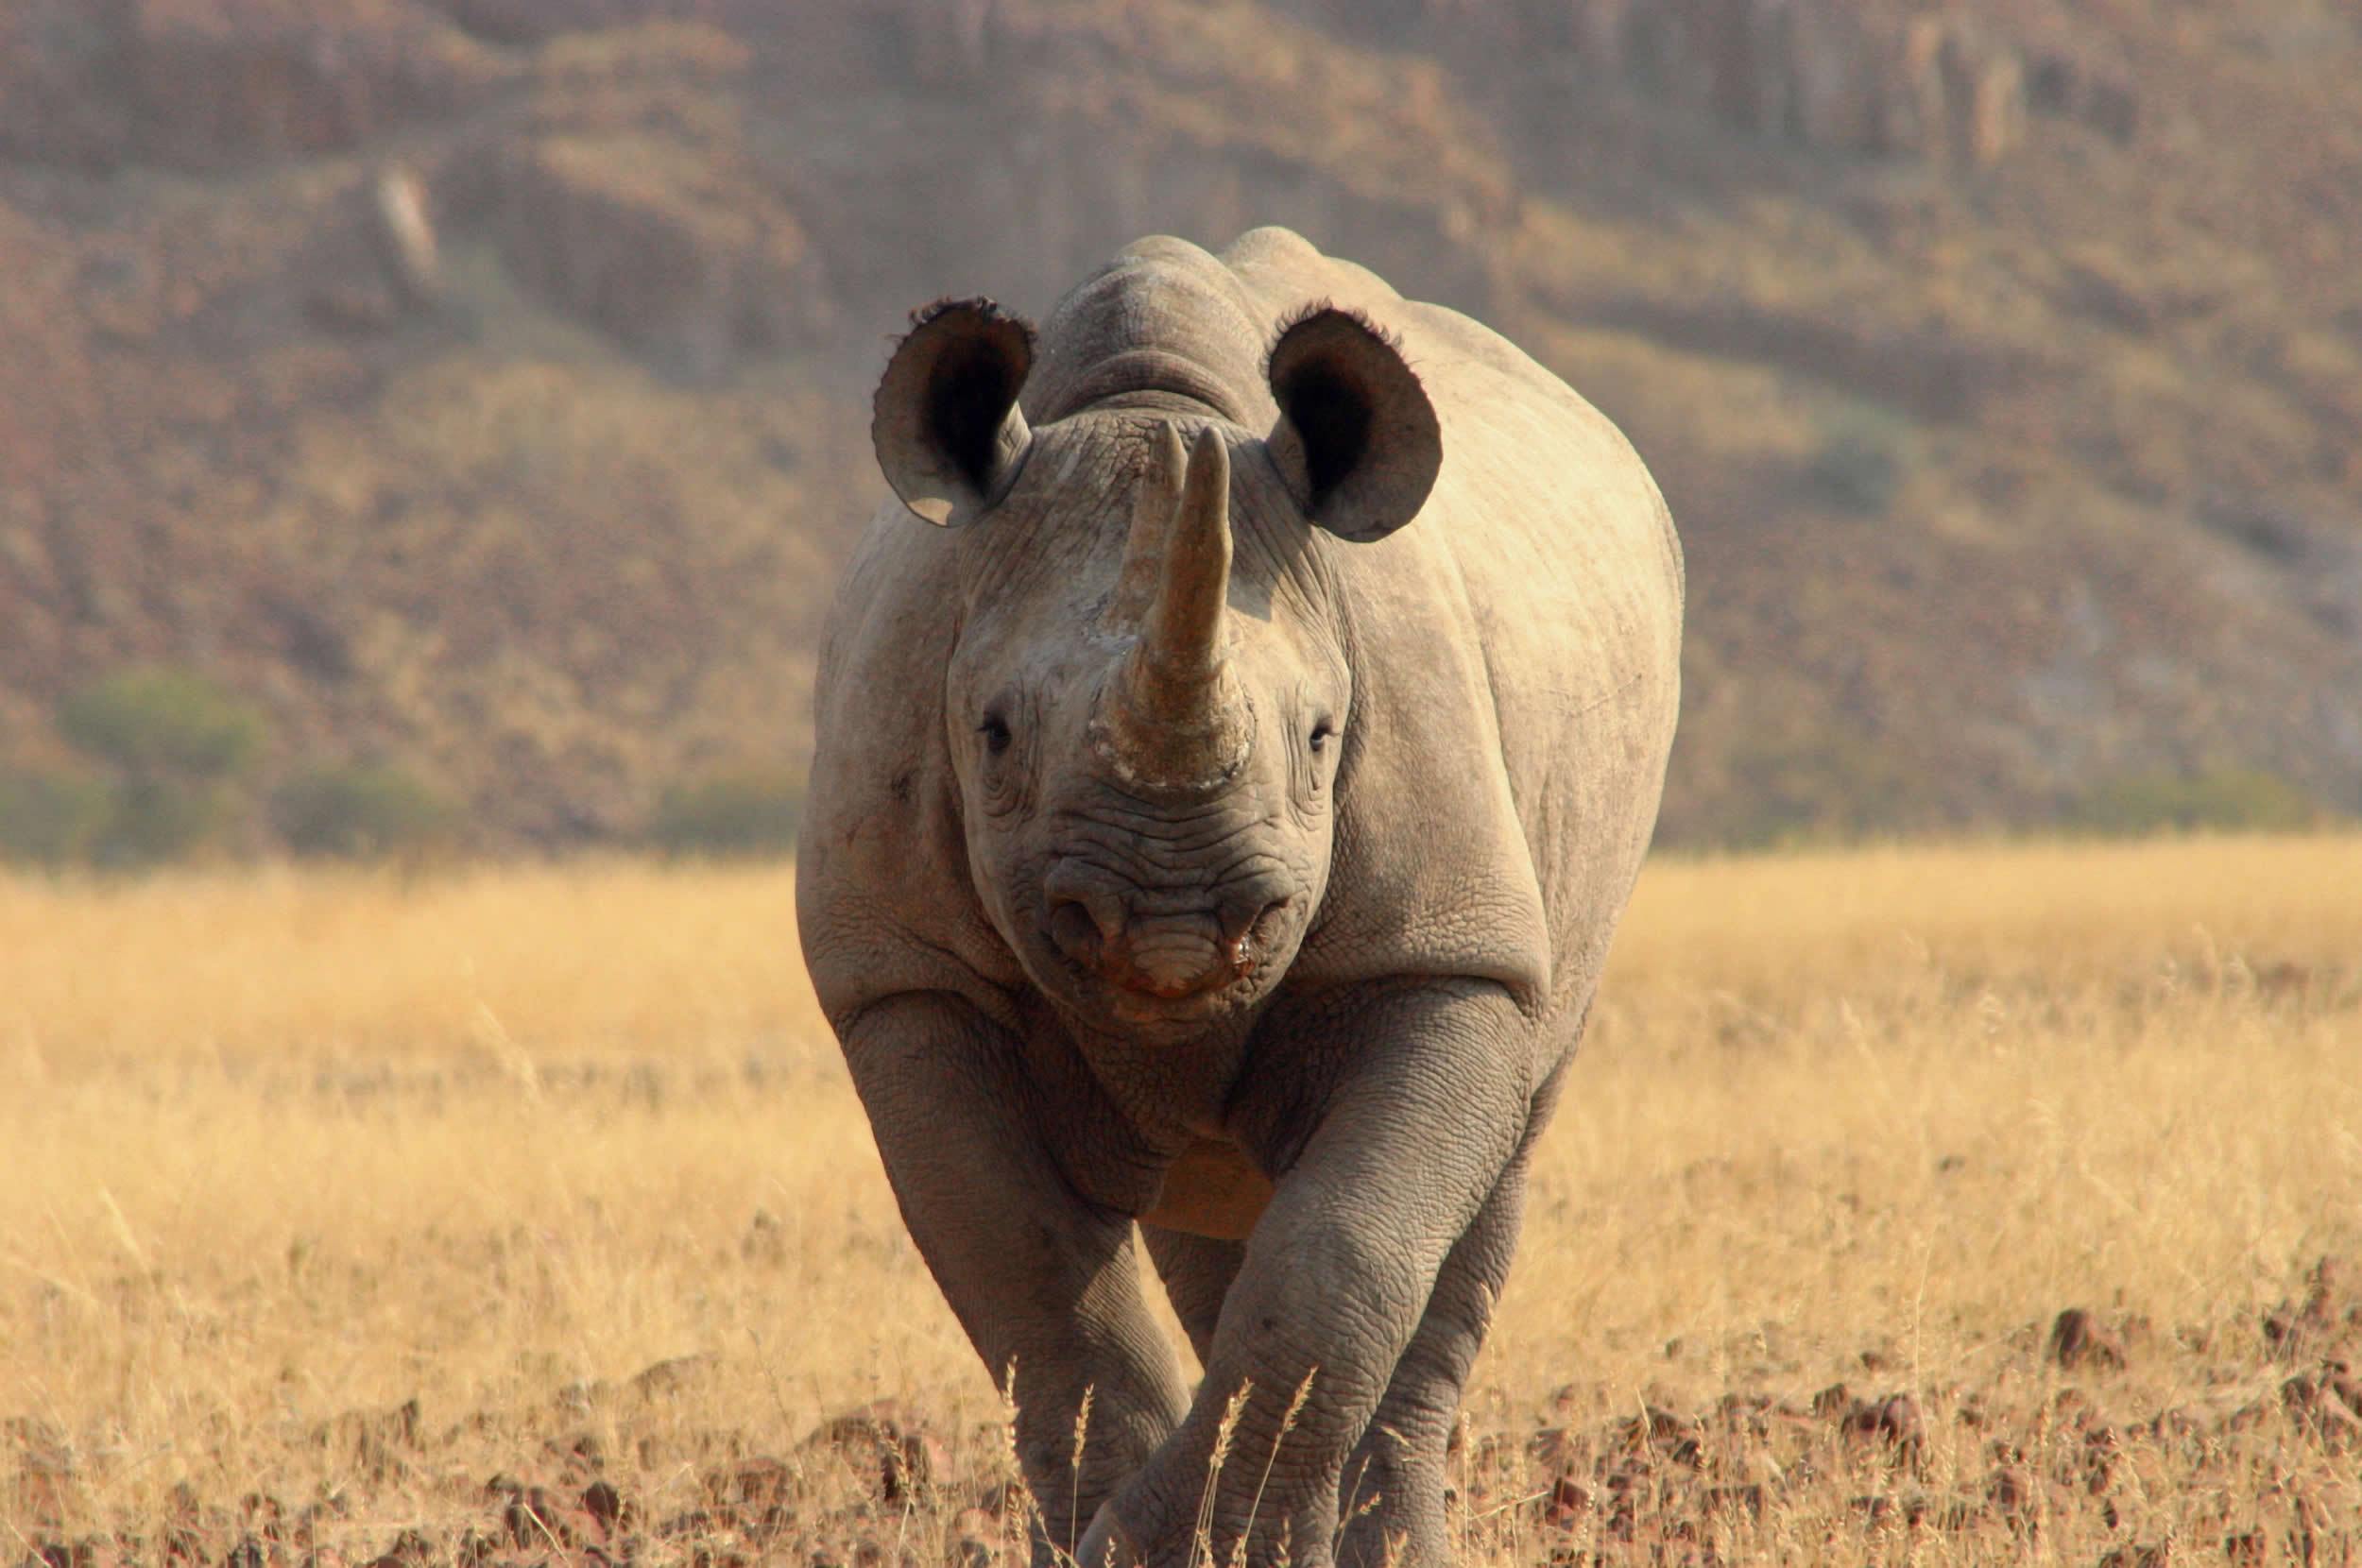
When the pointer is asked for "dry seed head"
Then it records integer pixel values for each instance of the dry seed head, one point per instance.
(1202, 1538)
(1295, 1405)
(1229, 1425)
(1022, 1508)
(1081, 1426)
(1074, 1462)
(1287, 1424)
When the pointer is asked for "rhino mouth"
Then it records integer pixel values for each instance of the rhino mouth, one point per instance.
(1168, 960)
(1167, 968)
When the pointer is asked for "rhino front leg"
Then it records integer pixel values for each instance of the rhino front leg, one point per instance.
(1039, 1278)
(1393, 1484)
(1428, 1096)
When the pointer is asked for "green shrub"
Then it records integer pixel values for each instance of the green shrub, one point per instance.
(156, 722)
(742, 814)
(49, 818)
(151, 820)
(2217, 800)
(173, 741)
(1861, 462)
(1810, 783)
(360, 812)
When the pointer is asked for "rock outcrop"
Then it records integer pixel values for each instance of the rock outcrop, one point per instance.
(217, 82)
(325, 351)
(1834, 74)
(638, 236)
(401, 226)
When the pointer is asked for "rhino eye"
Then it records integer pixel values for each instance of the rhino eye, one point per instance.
(995, 730)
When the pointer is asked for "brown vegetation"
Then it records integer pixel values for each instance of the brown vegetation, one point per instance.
(1930, 1205)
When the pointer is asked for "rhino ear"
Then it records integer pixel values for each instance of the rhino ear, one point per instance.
(945, 420)
(1356, 440)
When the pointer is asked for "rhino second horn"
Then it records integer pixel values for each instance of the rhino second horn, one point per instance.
(1184, 721)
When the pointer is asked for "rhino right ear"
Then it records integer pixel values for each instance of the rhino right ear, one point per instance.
(945, 421)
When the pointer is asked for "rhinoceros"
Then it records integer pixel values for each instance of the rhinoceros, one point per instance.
(1216, 824)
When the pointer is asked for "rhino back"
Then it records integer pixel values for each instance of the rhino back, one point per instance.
(1163, 321)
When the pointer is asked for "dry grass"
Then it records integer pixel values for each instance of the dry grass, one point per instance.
(566, 1157)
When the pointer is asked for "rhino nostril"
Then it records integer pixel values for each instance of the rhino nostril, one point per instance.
(1074, 932)
(1252, 918)
(1249, 931)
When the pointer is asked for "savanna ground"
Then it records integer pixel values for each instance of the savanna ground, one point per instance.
(525, 1216)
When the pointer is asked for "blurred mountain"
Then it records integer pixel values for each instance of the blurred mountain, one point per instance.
(483, 382)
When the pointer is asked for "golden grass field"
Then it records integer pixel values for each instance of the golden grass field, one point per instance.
(525, 1214)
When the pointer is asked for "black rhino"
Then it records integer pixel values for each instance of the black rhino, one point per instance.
(1216, 831)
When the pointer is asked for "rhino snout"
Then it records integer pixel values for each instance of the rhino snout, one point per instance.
(1165, 952)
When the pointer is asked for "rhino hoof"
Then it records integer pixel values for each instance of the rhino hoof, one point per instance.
(1107, 1543)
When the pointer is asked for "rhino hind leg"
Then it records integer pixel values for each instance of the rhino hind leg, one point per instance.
(1197, 1271)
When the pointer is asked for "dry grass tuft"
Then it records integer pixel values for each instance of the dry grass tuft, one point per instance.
(1943, 1204)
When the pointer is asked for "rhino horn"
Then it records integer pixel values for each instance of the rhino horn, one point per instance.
(1181, 720)
(1155, 500)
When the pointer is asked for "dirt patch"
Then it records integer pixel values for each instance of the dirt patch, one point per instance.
(2062, 1449)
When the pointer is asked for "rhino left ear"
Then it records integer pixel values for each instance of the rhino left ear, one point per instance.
(1357, 439)
(945, 422)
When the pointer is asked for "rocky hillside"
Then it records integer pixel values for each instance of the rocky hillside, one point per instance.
(479, 383)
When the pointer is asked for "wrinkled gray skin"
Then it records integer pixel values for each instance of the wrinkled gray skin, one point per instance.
(1219, 851)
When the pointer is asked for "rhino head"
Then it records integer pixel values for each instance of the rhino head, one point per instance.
(1148, 705)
